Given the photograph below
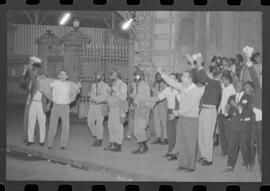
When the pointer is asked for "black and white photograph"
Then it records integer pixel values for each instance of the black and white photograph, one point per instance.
(172, 96)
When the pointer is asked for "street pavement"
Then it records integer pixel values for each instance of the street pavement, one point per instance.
(125, 166)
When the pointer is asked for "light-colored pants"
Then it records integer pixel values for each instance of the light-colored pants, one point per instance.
(59, 111)
(116, 130)
(141, 118)
(36, 113)
(95, 120)
(160, 120)
(207, 123)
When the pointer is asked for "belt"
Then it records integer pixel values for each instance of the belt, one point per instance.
(204, 106)
(246, 119)
(36, 100)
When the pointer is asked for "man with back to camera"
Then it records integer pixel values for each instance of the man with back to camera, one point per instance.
(98, 108)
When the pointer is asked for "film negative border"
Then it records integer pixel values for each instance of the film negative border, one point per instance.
(203, 5)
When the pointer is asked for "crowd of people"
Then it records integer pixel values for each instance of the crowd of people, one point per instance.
(187, 111)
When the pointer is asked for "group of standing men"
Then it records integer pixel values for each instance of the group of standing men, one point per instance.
(185, 111)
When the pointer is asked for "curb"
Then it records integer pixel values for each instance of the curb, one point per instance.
(86, 165)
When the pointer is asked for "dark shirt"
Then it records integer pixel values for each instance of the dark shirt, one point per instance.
(212, 92)
(257, 95)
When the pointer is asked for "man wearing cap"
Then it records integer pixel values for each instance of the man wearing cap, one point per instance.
(140, 94)
(98, 108)
(27, 82)
(117, 102)
(160, 112)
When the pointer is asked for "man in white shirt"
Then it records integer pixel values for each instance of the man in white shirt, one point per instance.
(170, 93)
(227, 91)
(38, 107)
(60, 97)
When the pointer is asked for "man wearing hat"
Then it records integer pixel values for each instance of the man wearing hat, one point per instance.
(140, 94)
(117, 102)
(98, 108)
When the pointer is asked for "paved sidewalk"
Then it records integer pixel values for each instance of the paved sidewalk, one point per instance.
(151, 166)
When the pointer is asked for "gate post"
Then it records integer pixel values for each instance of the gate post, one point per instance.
(73, 42)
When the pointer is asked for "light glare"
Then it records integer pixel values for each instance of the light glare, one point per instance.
(65, 18)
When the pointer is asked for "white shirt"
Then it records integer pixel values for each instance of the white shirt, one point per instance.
(169, 94)
(60, 92)
(239, 96)
(226, 93)
(37, 96)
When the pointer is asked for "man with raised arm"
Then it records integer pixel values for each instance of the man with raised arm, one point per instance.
(188, 122)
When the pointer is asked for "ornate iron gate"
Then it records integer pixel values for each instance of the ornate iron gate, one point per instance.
(96, 58)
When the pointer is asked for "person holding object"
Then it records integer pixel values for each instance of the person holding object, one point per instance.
(98, 108)
(257, 109)
(240, 112)
(208, 113)
(37, 112)
(140, 95)
(188, 122)
(62, 93)
(118, 106)
(28, 76)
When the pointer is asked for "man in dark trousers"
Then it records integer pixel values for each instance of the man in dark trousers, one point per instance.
(240, 112)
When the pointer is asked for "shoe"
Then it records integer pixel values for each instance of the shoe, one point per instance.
(189, 170)
(138, 149)
(41, 144)
(173, 157)
(157, 141)
(229, 169)
(168, 155)
(164, 142)
(109, 147)
(63, 148)
(97, 143)
(116, 148)
(181, 168)
(201, 159)
(29, 143)
(206, 163)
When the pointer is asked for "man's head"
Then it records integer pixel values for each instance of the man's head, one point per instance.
(99, 77)
(226, 79)
(249, 87)
(187, 78)
(63, 74)
(239, 58)
(114, 76)
(158, 78)
(36, 68)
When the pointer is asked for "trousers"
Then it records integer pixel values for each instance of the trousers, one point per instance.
(171, 132)
(239, 138)
(223, 133)
(116, 130)
(187, 139)
(160, 120)
(62, 112)
(95, 120)
(36, 113)
(141, 118)
(207, 123)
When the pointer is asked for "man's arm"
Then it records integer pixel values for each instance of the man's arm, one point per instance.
(253, 75)
(171, 82)
(203, 78)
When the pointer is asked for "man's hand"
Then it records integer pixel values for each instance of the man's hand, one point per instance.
(171, 117)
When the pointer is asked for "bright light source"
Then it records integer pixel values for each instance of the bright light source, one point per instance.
(65, 18)
(126, 25)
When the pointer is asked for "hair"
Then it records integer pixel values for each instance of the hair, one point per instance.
(250, 83)
(227, 76)
(240, 57)
(179, 77)
(36, 65)
(191, 75)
